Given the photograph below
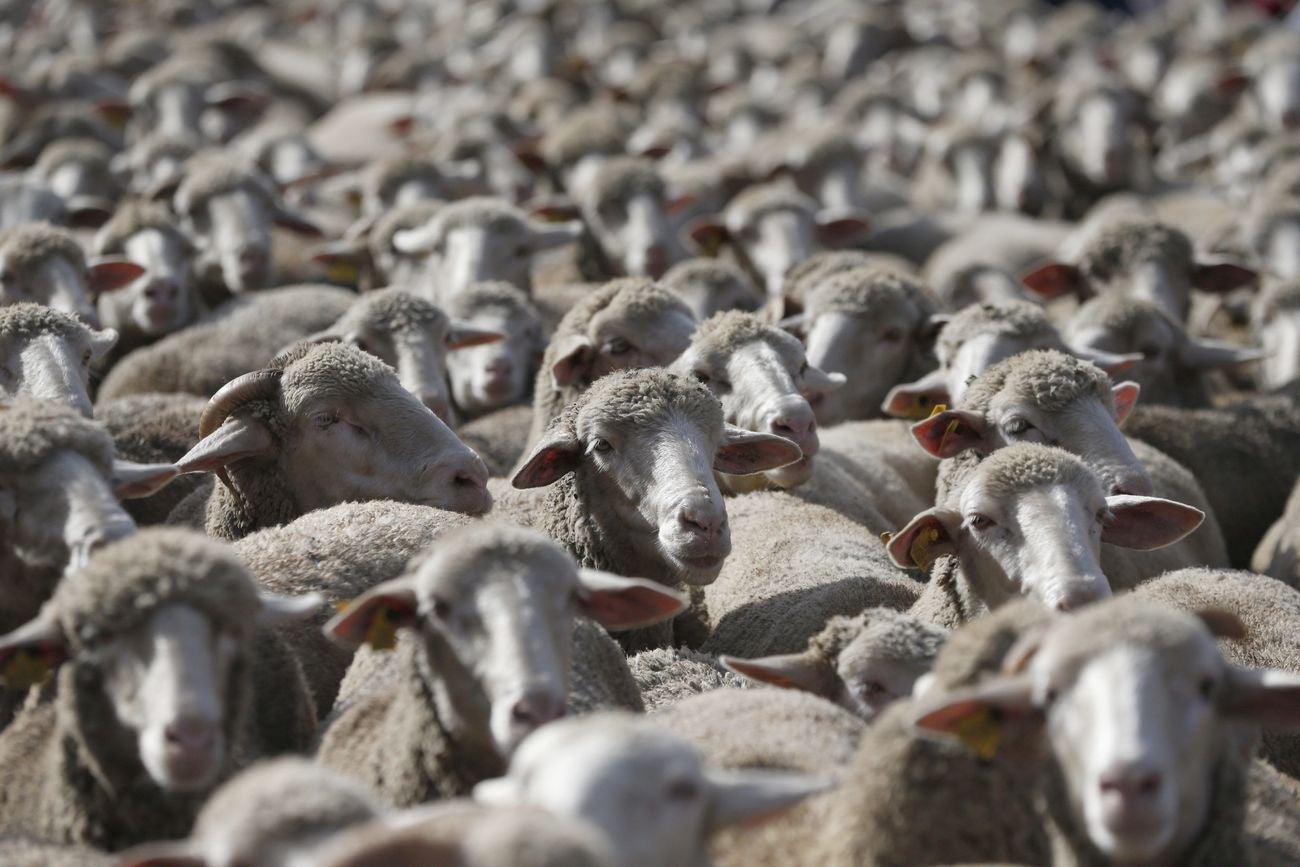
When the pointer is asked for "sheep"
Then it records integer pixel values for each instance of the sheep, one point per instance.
(772, 227)
(48, 355)
(1028, 520)
(625, 210)
(393, 182)
(280, 808)
(468, 690)
(1151, 261)
(22, 852)
(1269, 611)
(269, 434)
(500, 439)
(981, 263)
(979, 336)
(78, 170)
(163, 298)
(154, 429)
(478, 239)
(45, 264)
(644, 789)
(710, 286)
(1130, 779)
(499, 375)
(671, 523)
(227, 207)
(764, 382)
(1250, 445)
(666, 675)
(1046, 396)
(900, 316)
(1275, 321)
(183, 718)
(366, 256)
(29, 201)
(1173, 365)
(1278, 553)
(862, 663)
(628, 323)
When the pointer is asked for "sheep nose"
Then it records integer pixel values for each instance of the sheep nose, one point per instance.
(656, 260)
(1132, 781)
(252, 261)
(795, 421)
(501, 367)
(191, 736)
(536, 709)
(700, 520)
(162, 290)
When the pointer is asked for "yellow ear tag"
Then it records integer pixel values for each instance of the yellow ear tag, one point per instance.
(382, 633)
(938, 408)
(920, 550)
(711, 247)
(980, 733)
(886, 536)
(346, 273)
(25, 669)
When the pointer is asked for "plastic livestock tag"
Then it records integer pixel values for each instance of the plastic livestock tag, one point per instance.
(382, 632)
(25, 668)
(980, 733)
(938, 408)
(920, 549)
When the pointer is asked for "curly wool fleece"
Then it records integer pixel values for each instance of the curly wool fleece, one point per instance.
(1051, 380)
(1125, 245)
(31, 431)
(28, 246)
(1009, 318)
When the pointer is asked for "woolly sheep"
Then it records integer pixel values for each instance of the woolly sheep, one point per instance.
(78, 169)
(1151, 261)
(628, 323)
(472, 687)
(1134, 781)
(644, 789)
(22, 852)
(710, 286)
(666, 675)
(629, 231)
(897, 314)
(500, 374)
(499, 438)
(1173, 364)
(650, 441)
(154, 429)
(1251, 445)
(287, 439)
(45, 264)
(862, 663)
(275, 810)
(1278, 553)
(221, 694)
(1275, 318)
(48, 355)
(981, 263)
(1028, 520)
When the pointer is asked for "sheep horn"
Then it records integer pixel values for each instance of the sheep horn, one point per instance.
(259, 385)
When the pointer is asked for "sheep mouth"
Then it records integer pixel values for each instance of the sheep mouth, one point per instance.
(792, 475)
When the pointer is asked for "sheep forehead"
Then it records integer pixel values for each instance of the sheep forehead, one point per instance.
(592, 131)
(125, 582)
(1121, 314)
(1014, 319)
(492, 215)
(1124, 245)
(332, 371)
(637, 304)
(1044, 378)
(27, 321)
(32, 431)
(131, 218)
(1019, 468)
(757, 202)
(823, 264)
(868, 290)
(470, 558)
(410, 216)
(394, 310)
(28, 246)
(387, 175)
(495, 295)
(620, 179)
(211, 174)
(641, 401)
(711, 274)
(84, 150)
(728, 330)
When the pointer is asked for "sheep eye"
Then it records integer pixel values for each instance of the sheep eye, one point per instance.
(1017, 426)
(441, 609)
(600, 445)
(703, 377)
(522, 251)
(1206, 687)
(1051, 695)
(980, 522)
(325, 419)
(870, 689)
(85, 357)
(618, 346)
(803, 368)
(361, 343)
(1102, 515)
(683, 790)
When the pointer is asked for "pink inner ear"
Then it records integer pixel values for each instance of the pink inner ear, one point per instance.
(1052, 280)
(947, 433)
(110, 274)
(630, 607)
(950, 717)
(1126, 396)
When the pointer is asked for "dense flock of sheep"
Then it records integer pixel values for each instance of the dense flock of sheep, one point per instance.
(604, 433)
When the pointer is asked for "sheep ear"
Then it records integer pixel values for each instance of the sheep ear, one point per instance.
(620, 603)
(102, 342)
(549, 235)
(298, 224)
(818, 381)
(553, 458)
(800, 671)
(374, 617)
(1126, 397)
(573, 356)
(343, 261)
(1214, 353)
(111, 272)
(744, 452)
(1054, 280)
(277, 609)
(415, 242)
(1222, 277)
(240, 437)
(977, 716)
(131, 480)
(233, 95)
(1147, 523)
(1222, 623)
(462, 335)
(950, 432)
(707, 235)
(929, 535)
(1111, 362)
(31, 652)
(842, 228)
(180, 854)
(917, 400)
(751, 797)
(499, 792)
(1268, 697)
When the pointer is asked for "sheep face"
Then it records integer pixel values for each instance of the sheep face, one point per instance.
(622, 336)
(53, 365)
(161, 300)
(167, 680)
(232, 231)
(645, 790)
(1277, 94)
(59, 513)
(1098, 140)
(872, 351)
(44, 266)
(634, 232)
(488, 376)
(1140, 714)
(1030, 521)
(1019, 177)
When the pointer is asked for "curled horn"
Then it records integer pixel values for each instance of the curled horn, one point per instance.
(259, 385)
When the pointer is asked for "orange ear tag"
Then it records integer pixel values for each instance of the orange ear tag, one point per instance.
(382, 632)
(920, 550)
(24, 669)
(980, 733)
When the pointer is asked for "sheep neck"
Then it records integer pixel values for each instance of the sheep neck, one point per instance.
(456, 747)
(252, 495)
